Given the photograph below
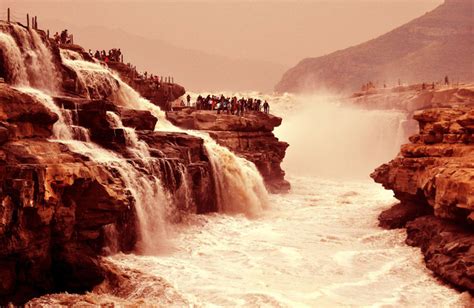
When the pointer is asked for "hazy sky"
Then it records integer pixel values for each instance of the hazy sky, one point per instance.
(278, 31)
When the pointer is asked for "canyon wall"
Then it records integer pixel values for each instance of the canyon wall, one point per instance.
(433, 178)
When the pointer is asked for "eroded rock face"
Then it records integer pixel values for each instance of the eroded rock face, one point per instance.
(448, 249)
(433, 177)
(55, 205)
(160, 94)
(250, 137)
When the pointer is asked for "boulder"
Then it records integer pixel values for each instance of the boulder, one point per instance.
(138, 119)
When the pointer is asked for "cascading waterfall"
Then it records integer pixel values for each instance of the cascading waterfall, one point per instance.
(331, 139)
(14, 60)
(33, 59)
(61, 130)
(96, 81)
(146, 190)
(240, 187)
(37, 61)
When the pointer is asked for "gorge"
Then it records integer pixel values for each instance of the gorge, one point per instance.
(103, 193)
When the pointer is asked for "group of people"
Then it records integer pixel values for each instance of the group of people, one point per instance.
(230, 105)
(155, 78)
(114, 55)
(424, 86)
(63, 38)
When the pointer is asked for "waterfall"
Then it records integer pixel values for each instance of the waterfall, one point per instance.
(13, 60)
(332, 139)
(61, 130)
(96, 81)
(36, 60)
(146, 189)
(33, 71)
(240, 187)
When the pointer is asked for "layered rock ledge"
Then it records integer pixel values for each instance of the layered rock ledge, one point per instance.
(57, 205)
(433, 178)
(250, 136)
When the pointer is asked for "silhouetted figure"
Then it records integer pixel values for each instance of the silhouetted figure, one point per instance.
(266, 107)
(446, 80)
(188, 99)
(64, 36)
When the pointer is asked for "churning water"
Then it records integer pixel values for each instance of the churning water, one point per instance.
(319, 245)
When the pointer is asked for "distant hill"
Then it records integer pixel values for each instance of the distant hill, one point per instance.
(439, 43)
(195, 70)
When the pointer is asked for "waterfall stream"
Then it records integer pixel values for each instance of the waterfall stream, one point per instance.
(240, 188)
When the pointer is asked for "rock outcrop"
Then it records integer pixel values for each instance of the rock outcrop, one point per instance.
(56, 205)
(414, 97)
(160, 94)
(433, 177)
(249, 136)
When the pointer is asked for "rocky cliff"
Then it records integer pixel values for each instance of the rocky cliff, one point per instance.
(56, 205)
(250, 137)
(433, 178)
(80, 167)
(426, 49)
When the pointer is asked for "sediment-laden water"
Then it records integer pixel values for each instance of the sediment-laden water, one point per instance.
(319, 245)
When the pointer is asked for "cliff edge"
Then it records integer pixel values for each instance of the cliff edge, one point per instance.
(433, 178)
(249, 136)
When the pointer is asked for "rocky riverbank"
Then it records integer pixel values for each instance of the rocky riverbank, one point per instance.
(433, 178)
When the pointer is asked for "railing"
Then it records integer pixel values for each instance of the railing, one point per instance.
(10, 16)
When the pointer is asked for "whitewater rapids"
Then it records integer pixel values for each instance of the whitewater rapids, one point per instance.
(318, 246)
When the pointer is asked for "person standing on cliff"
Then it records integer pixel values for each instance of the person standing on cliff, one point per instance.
(446, 80)
(266, 107)
(188, 99)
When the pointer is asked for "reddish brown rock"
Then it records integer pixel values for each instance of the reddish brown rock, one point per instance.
(448, 249)
(55, 204)
(160, 94)
(23, 116)
(249, 136)
(435, 173)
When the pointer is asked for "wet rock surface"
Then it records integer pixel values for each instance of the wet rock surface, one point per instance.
(249, 136)
(57, 207)
(56, 204)
(433, 177)
(160, 94)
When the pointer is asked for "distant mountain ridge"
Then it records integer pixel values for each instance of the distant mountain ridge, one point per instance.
(426, 49)
(194, 69)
